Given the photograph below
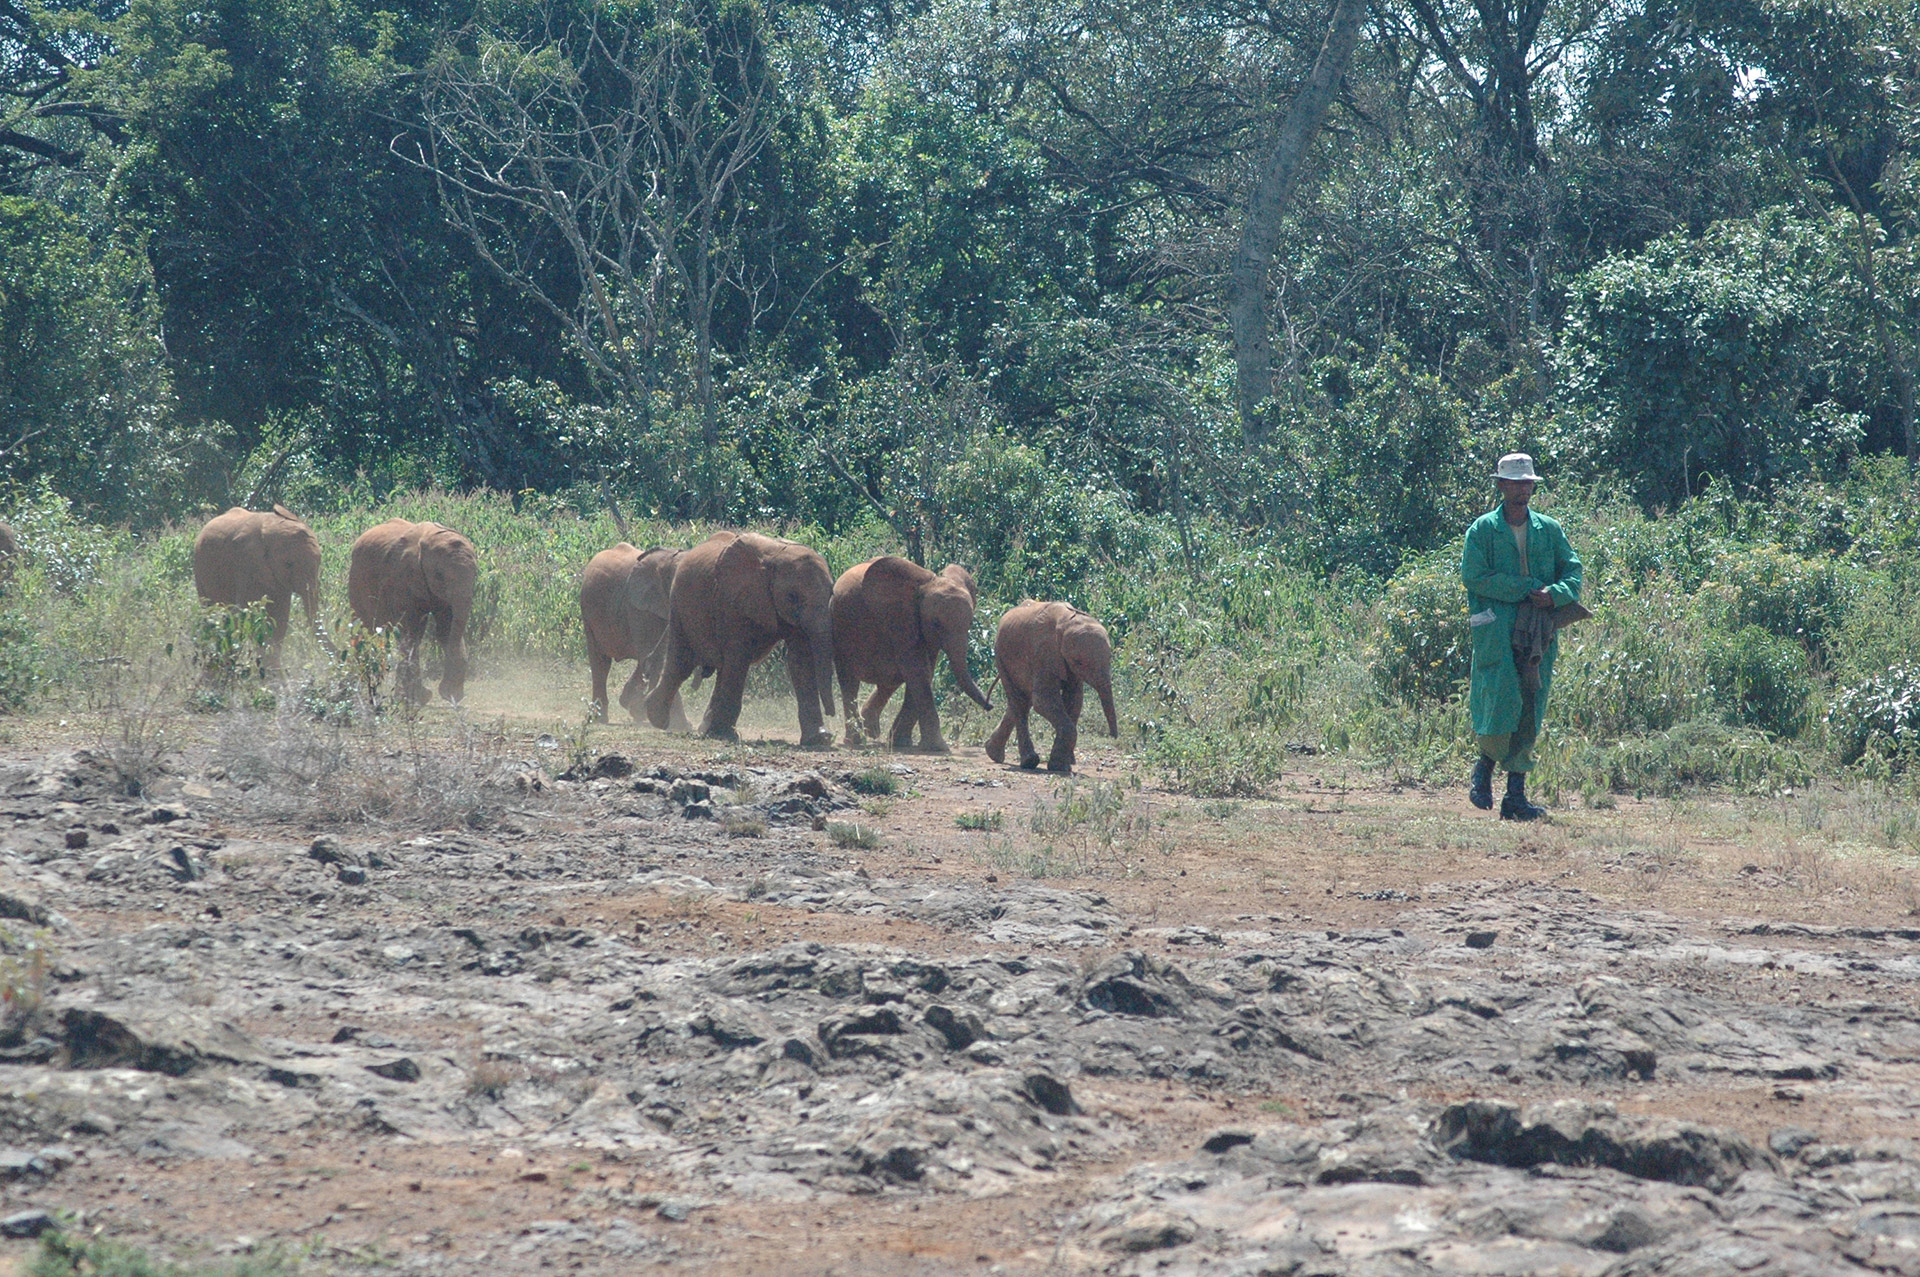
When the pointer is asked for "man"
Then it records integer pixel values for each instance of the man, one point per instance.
(1515, 559)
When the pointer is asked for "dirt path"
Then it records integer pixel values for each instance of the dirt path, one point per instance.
(741, 1010)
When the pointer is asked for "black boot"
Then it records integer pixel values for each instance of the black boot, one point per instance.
(1480, 792)
(1515, 805)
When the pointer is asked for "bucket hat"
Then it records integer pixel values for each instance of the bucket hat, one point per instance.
(1516, 465)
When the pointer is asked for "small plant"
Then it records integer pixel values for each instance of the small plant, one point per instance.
(981, 821)
(876, 807)
(65, 1255)
(492, 1079)
(230, 646)
(1221, 809)
(845, 833)
(874, 780)
(743, 822)
(26, 962)
(364, 661)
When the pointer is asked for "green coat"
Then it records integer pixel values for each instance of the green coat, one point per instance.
(1498, 582)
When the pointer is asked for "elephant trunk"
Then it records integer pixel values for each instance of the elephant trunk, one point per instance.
(1104, 686)
(957, 662)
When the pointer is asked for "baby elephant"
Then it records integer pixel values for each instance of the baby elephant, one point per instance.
(401, 575)
(1047, 653)
(247, 556)
(623, 609)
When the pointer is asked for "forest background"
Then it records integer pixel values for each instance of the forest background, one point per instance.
(954, 278)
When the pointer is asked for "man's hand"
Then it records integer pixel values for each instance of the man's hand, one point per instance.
(1540, 598)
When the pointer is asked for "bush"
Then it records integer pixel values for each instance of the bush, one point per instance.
(22, 661)
(1782, 593)
(1760, 680)
(1689, 755)
(1424, 651)
(1880, 713)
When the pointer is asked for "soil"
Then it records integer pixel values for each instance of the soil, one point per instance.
(444, 1000)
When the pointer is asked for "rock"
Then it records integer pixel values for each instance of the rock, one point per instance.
(22, 909)
(1151, 1230)
(1789, 1140)
(1221, 1141)
(329, 850)
(168, 1041)
(676, 1209)
(611, 766)
(26, 1223)
(961, 1029)
(400, 1070)
(77, 838)
(351, 875)
(698, 811)
(17, 1163)
(1050, 1093)
(1481, 939)
(165, 814)
(1572, 1133)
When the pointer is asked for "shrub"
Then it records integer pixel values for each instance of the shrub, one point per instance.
(874, 780)
(1690, 754)
(1424, 652)
(22, 662)
(845, 833)
(1881, 713)
(1782, 593)
(1760, 680)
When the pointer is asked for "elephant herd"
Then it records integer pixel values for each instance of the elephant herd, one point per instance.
(713, 610)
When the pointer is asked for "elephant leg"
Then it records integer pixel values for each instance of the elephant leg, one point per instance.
(678, 664)
(633, 696)
(800, 672)
(849, 700)
(413, 632)
(917, 710)
(882, 693)
(1052, 702)
(729, 690)
(1014, 723)
(280, 612)
(598, 665)
(451, 630)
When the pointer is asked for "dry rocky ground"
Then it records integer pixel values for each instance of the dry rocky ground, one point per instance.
(440, 1001)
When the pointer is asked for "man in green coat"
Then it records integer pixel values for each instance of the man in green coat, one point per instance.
(1514, 558)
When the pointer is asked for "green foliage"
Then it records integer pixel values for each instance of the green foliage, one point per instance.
(1760, 679)
(65, 1255)
(1377, 463)
(230, 645)
(1424, 650)
(1880, 714)
(849, 834)
(82, 373)
(1688, 755)
(980, 821)
(22, 660)
(1784, 594)
(1718, 356)
(874, 780)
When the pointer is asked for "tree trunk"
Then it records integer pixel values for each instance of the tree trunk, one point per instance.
(1247, 288)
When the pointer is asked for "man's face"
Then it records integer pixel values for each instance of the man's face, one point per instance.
(1515, 491)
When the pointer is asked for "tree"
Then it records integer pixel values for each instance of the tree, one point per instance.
(1247, 290)
(628, 140)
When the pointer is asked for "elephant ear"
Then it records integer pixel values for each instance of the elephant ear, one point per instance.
(284, 513)
(962, 578)
(744, 584)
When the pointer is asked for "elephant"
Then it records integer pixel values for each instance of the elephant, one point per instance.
(623, 609)
(401, 574)
(734, 596)
(1045, 653)
(9, 552)
(891, 621)
(245, 556)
